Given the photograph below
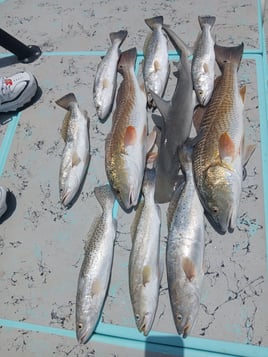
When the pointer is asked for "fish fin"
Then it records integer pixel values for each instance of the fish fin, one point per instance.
(151, 158)
(96, 287)
(103, 194)
(75, 159)
(119, 35)
(127, 58)
(242, 92)
(178, 43)
(65, 125)
(64, 102)
(205, 67)
(189, 268)
(138, 213)
(226, 146)
(157, 66)
(225, 55)
(146, 274)
(105, 83)
(158, 121)
(153, 21)
(150, 140)
(130, 136)
(206, 20)
(162, 105)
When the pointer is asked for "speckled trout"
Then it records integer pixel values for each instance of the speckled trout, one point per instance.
(76, 153)
(105, 80)
(185, 249)
(94, 276)
(203, 62)
(156, 65)
(220, 154)
(127, 143)
(144, 260)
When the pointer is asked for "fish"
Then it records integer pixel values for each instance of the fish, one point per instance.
(203, 61)
(127, 144)
(185, 248)
(3, 203)
(156, 66)
(95, 271)
(104, 87)
(220, 154)
(76, 154)
(145, 271)
(175, 122)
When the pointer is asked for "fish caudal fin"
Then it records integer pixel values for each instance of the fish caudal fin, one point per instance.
(118, 36)
(104, 195)
(153, 21)
(226, 55)
(127, 59)
(65, 101)
(206, 20)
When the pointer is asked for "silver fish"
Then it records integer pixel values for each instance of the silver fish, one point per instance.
(204, 61)
(76, 154)
(156, 66)
(127, 143)
(96, 268)
(185, 249)
(105, 80)
(144, 260)
(175, 124)
(3, 197)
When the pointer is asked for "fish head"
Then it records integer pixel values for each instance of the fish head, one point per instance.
(144, 307)
(222, 199)
(203, 91)
(144, 322)
(85, 322)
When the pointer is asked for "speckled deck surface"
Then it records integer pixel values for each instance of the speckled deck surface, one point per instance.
(41, 244)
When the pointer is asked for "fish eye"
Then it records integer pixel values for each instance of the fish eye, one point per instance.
(80, 325)
(215, 209)
(137, 316)
(179, 317)
(200, 92)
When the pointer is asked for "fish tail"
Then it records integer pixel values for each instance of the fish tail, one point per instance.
(226, 55)
(127, 59)
(206, 20)
(153, 21)
(104, 194)
(65, 101)
(118, 36)
(177, 42)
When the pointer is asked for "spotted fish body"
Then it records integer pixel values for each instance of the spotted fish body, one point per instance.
(105, 80)
(156, 65)
(126, 144)
(218, 156)
(144, 260)
(94, 276)
(185, 249)
(203, 62)
(76, 153)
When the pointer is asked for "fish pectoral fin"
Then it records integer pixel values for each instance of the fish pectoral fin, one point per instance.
(105, 83)
(205, 67)
(162, 105)
(226, 147)
(146, 274)
(189, 268)
(157, 66)
(130, 136)
(96, 287)
(75, 159)
(242, 92)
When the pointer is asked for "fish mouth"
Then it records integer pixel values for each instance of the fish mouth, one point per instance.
(186, 331)
(143, 327)
(82, 336)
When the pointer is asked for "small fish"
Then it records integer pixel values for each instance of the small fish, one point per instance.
(220, 155)
(105, 80)
(175, 123)
(185, 249)
(204, 61)
(94, 276)
(3, 203)
(76, 153)
(144, 260)
(127, 143)
(156, 66)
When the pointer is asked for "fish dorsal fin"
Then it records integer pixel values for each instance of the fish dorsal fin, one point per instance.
(162, 105)
(189, 268)
(130, 136)
(242, 92)
(146, 274)
(133, 227)
(75, 159)
(65, 125)
(226, 146)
